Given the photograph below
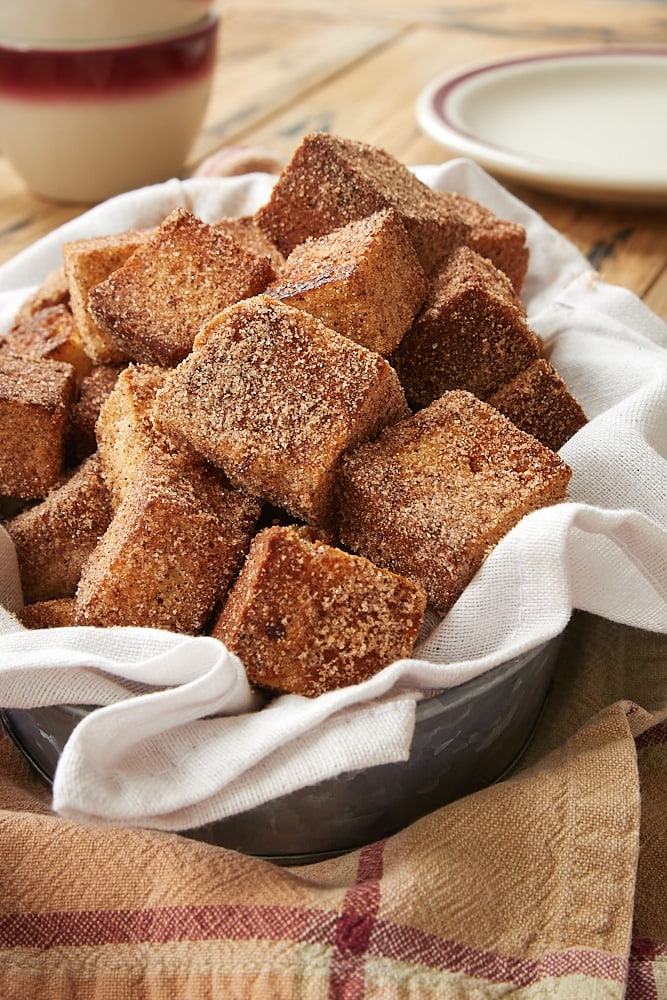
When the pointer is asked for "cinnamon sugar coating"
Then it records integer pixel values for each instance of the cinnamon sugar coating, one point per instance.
(171, 551)
(93, 391)
(54, 538)
(434, 493)
(184, 274)
(88, 262)
(59, 613)
(124, 430)
(363, 280)
(274, 397)
(331, 181)
(305, 618)
(244, 229)
(36, 396)
(470, 334)
(502, 241)
(538, 401)
(48, 333)
(53, 290)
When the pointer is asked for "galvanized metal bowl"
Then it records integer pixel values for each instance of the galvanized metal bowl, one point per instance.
(465, 738)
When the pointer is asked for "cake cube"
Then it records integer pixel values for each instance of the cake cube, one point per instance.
(93, 391)
(274, 397)
(244, 229)
(87, 262)
(171, 551)
(436, 492)
(500, 240)
(331, 181)
(53, 290)
(58, 613)
(124, 430)
(538, 401)
(471, 333)
(36, 396)
(305, 618)
(182, 275)
(48, 333)
(363, 280)
(54, 538)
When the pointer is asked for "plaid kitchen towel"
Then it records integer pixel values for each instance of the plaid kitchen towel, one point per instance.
(550, 883)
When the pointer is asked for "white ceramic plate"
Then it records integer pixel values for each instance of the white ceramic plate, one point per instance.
(589, 123)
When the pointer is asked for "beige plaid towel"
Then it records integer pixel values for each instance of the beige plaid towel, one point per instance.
(551, 883)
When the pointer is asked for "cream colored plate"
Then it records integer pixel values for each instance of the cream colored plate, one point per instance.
(588, 123)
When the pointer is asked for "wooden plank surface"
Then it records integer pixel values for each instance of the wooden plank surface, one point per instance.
(356, 67)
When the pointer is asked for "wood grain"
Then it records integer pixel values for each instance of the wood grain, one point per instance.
(356, 67)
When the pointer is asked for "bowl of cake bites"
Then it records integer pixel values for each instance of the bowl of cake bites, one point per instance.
(300, 432)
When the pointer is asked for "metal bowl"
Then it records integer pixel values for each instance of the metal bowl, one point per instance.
(465, 738)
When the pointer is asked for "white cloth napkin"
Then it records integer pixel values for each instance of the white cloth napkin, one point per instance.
(181, 741)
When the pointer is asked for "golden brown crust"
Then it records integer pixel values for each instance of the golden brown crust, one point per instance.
(244, 229)
(93, 391)
(470, 334)
(436, 492)
(538, 401)
(305, 618)
(184, 274)
(364, 281)
(48, 333)
(52, 291)
(124, 430)
(36, 396)
(500, 240)
(54, 538)
(88, 262)
(274, 397)
(171, 550)
(59, 613)
(331, 181)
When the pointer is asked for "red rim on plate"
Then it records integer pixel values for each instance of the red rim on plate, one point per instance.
(589, 121)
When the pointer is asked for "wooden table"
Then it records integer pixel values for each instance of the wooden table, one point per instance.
(355, 67)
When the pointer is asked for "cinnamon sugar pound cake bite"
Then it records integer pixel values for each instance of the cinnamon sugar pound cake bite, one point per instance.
(538, 401)
(58, 613)
(501, 241)
(244, 229)
(186, 272)
(274, 397)
(471, 333)
(36, 396)
(49, 333)
(93, 391)
(171, 551)
(54, 538)
(331, 181)
(363, 280)
(53, 290)
(433, 494)
(87, 262)
(124, 430)
(305, 617)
